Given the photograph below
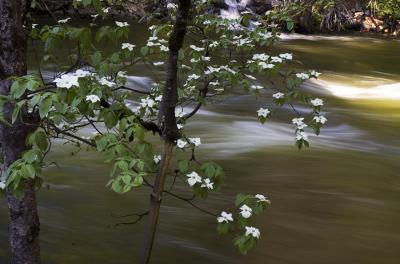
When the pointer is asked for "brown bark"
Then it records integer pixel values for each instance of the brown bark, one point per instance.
(23, 217)
(167, 122)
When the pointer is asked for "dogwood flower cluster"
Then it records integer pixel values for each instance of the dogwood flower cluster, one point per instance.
(154, 41)
(71, 79)
(193, 178)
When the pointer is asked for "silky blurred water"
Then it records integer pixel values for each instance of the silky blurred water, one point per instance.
(337, 202)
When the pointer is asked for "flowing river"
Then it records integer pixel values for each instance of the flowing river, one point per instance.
(337, 202)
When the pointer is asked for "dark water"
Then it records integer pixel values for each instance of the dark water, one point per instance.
(337, 202)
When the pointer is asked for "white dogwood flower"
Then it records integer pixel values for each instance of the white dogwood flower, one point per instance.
(181, 143)
(265, 65)
(147, 102)
(262, 57)
(265, 35)
(263, 112)
(121, 24)
(193, 47)
(2, 185)
(278, 95)
(193, 178)
(252, 231)
(225, 217)
(251, 77)
(301, 135)
(82, 73)
(320, 119)
(245, 211)
(317, 102)
(257, 87)
(164, 48)
(172, 6)
(157, 159)
(303, 76)
(195, 141)
(207, 184)
(104, 81)
(299, 122)
(92, 98)
(276, 60)
(128, 46)
(286, 56)
(63, 21)
(261, 198)
(315, 73)
(67, 81)
(193, 77)
(214, 44)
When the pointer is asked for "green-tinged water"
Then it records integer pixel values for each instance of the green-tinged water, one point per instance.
(337, 202)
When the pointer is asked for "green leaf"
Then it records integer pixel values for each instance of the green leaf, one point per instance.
(41, 140)
(101, 32)
(110, 119)
(15, 113)
(127, 179)
(139, 132)
(138, 181)
(45, 106)
(183, 166)
(18, 88)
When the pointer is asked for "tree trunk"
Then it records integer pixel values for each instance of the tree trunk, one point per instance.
(167, 121)
(23, 217)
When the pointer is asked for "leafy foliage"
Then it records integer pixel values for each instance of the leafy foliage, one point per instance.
(90, 91)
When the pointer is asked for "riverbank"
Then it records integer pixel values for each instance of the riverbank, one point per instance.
(307, 19)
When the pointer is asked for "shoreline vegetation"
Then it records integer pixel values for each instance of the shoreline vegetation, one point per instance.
(370, 17)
